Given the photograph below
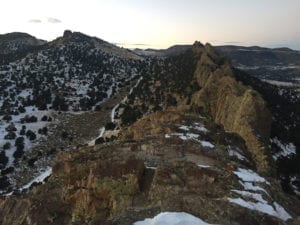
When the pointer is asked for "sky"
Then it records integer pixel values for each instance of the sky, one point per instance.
(159, 23)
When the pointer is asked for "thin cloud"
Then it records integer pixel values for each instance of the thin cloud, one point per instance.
(233, 42)
(34, 21)
(140, 44)
(53, 20)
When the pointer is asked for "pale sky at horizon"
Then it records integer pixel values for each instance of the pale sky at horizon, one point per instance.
(159, 23)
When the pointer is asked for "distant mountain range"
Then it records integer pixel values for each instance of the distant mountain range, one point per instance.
(281, 64)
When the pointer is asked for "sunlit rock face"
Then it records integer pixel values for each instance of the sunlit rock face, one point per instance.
(237, 107)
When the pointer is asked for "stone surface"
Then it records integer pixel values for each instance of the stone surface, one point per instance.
(131, 179)
(237, 107)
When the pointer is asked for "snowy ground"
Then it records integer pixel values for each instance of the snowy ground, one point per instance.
(39, 179)
(172, 218)
(113, 113)
(16, 121)
(287, 150)
(255, 197)
(187, 134)
(234, 153)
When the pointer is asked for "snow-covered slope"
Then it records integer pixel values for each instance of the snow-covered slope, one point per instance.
(74, 73)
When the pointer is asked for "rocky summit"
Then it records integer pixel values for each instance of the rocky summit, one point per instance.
(188, 137)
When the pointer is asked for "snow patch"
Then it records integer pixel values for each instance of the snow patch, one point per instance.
(293, 182)
(234, 153)
(250, 187)
(196, 126)
(286, 149)
(93, 142)
(39, 179)
(200, 127)
(276, 211)
(172, 218)
(249, 176)
(203, 166)
(207, 144)
(255, 196)
(259, 203)
(185, 128)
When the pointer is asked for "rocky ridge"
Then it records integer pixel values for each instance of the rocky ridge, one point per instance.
(171, 160)
(206, 83)
(238, 108)
(178, 157)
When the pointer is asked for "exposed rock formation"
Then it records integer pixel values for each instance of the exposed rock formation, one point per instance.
(173, 160)
(67, 34)
(164, 169)
(238, 108)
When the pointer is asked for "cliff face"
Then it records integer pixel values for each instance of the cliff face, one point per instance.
(238, 108)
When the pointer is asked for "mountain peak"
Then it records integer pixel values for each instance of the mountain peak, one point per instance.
(67, 34)
(197, 44)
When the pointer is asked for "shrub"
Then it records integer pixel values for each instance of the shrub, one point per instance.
(6, 146)
(29, 119)
(19, 152)
(99, 140)
(3, 160)
(19, 141)
(44, 118)
(11, 127)
(4, 182)
(10, 136)
(7, 118)
(130, 115)
(31, 135)
(43, 131)
(110, 126)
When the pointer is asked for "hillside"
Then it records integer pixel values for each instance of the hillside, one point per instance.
(171, 160)
(74, 74)
(274, 73)
(182, 133)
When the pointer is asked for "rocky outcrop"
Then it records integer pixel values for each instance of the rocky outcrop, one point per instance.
(85, 188)
(238, 108)
(167, 168)
(179, 159)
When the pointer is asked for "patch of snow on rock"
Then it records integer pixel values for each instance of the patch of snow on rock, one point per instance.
(199, 127)
(92, 143)
(203, 166)
(39, 179)
(276, 211)
(234, 153)
(186, 128)
(207, 144)
(250, 187)
(286, 149)
(172, 218)
(249, 176)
